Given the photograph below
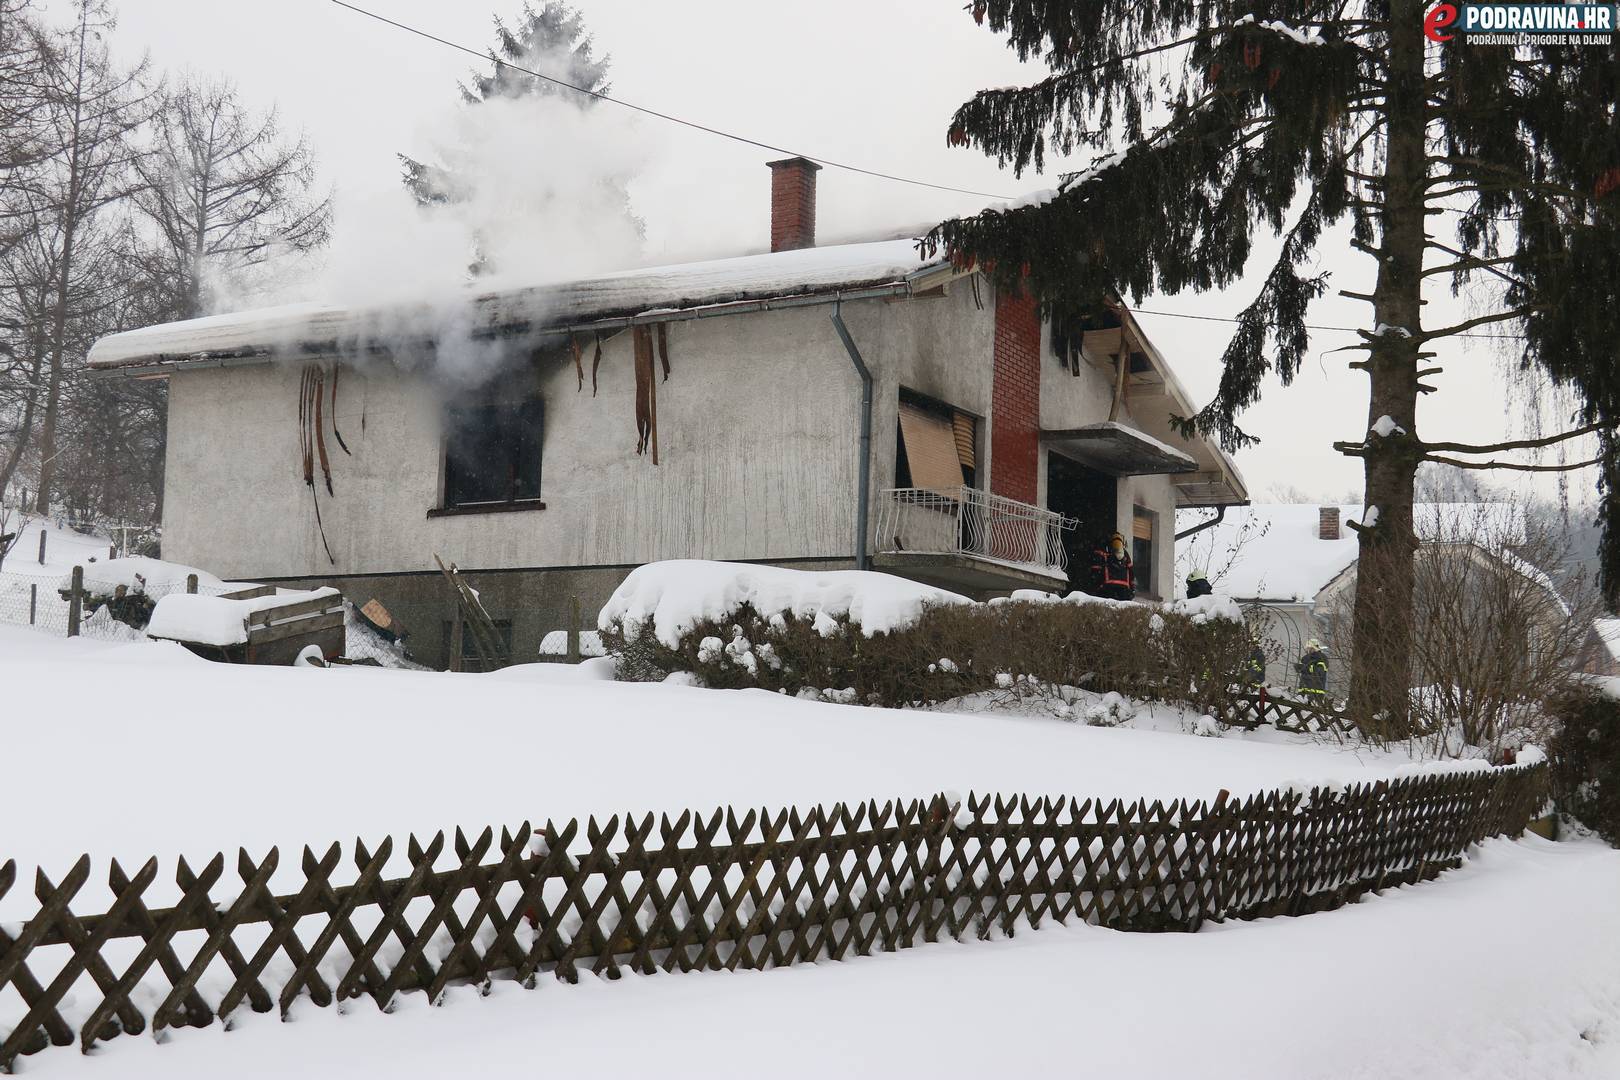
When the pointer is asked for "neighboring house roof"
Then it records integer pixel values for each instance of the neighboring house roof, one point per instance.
(819, 272)
(1608, 632)
(1281, 557)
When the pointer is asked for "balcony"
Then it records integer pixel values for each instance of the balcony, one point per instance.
(970, 541)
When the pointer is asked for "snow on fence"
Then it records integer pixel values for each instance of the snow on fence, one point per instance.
(759, 890)
(50, 602)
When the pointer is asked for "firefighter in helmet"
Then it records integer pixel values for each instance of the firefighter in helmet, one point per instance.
(1198, 585)
(1313, 669)
(1111, 570)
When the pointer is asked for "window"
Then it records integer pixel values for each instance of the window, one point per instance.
(1143, 525)
(935, 446)
(492, 455)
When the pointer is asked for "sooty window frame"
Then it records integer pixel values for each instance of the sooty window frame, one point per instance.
(509, 435)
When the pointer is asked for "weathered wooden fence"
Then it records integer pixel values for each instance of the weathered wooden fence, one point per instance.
(1252, 710)
(758, 890)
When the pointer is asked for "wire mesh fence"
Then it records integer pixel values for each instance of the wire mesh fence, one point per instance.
(112, 606)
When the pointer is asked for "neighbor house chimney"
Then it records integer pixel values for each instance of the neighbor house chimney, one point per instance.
(1327, 523)
(793, 203)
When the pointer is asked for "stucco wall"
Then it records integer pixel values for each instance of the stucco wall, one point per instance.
(758, 428)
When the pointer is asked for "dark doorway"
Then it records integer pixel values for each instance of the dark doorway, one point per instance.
(1075, 491)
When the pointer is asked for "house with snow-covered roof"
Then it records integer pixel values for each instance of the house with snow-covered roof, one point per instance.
(852, 405)
(1294, 566)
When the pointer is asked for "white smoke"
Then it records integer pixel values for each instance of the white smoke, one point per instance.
(538, 193)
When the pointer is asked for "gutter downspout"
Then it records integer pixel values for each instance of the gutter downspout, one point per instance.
(1220, 515)
(863, 507)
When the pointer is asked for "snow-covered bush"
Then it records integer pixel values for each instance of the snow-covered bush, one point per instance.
(947, 650)
(1585, 756)
(1111, 710)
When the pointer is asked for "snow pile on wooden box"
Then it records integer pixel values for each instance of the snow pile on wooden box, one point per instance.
(215, 620)
(676, 595)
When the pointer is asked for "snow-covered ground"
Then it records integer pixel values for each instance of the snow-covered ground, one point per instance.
(142, 749)
(1510, 967)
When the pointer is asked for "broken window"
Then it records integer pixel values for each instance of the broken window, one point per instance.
(935, 445)
(1143, 525)
(492, 453)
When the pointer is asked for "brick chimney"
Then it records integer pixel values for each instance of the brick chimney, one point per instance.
(1327, 523)
(793, 203)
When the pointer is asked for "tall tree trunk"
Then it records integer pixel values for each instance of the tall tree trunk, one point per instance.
(14, 456)
(53, 388)
(1382, 628)
(72, 212)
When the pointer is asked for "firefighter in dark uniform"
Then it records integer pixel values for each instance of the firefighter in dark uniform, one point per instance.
(1111, 571)
(1313, 670)
(1198, 585)
(1254, 669)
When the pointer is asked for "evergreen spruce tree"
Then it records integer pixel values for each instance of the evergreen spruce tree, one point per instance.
(551, 40)
(1491, 165)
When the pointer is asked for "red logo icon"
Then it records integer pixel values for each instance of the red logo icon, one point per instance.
(1439, 17)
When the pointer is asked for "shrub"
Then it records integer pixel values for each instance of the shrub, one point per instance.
(949, 651)
(1585, 756)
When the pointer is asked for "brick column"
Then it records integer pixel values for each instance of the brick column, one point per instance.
(1015, 400)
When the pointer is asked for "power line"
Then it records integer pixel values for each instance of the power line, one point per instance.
(666, 116)
(794, 153)
(1308, 326)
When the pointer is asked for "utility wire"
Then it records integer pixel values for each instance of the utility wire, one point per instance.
(1308, 326)
(666, 116)
(791, 153)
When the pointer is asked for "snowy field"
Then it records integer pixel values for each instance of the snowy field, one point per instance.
(1507, 968)
(142, 749)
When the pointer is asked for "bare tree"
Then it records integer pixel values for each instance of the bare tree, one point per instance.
(1495, 635)
(223, 192)
(24, 52)
(59, 267)
(1200, 552)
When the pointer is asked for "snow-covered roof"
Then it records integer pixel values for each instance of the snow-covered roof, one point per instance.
(1608, 632)
(647, 291)
(1280, 556)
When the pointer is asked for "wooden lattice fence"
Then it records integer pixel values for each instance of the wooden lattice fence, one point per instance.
(1252, 710)
(757, 890)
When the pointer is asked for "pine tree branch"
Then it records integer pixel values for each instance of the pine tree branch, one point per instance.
(1514, 466)
(1466, 261)
(1469, 324)
(1516, 444)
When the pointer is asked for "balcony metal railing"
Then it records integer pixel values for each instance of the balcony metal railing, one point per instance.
(968, 521)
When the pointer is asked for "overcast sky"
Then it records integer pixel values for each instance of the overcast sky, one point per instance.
(868, 82)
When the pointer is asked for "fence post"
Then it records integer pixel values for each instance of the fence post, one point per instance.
(191, 583)
(573, 629)
(42, 535)
(33, 601)
(75, 601)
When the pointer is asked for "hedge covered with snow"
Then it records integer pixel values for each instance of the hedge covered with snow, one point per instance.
(876, 639)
